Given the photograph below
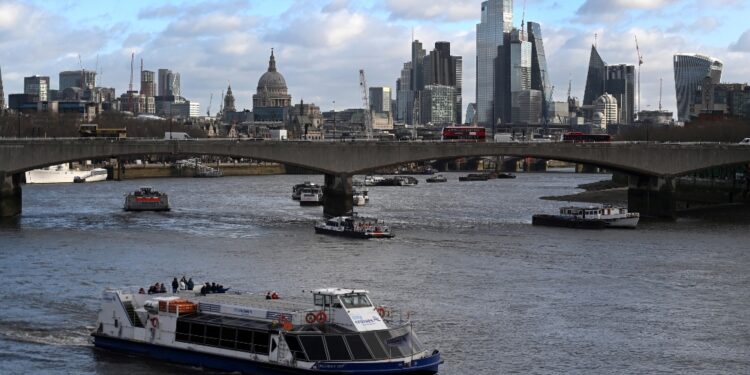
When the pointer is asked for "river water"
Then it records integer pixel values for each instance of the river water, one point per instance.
(493, 293)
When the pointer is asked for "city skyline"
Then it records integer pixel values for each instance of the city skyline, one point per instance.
(321, 50)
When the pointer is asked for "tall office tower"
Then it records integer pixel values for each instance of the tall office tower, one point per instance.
(380, 99)
(169, 83)
(148, 83)
(458, 63)
(621, 84)
(417, 57)
(438, 104)
(440, 68)
(72, 78)
(497, 19)
(689, 72)
(38, 86)
(512, 77)
(595, 85)
(405, 95)
(2, 93)
(539, 74)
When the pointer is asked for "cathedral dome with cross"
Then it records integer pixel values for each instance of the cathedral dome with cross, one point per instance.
(272, 90)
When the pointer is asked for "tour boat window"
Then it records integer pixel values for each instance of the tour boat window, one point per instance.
(228, 337)
(314, 347)
(183, 331)
(261, 342)
(323, 300)
(354, 300)
(336, 348)
(244, 340)
(295, 347)
(197, 332)
(374, 344)
(358, 347)
(212, 335)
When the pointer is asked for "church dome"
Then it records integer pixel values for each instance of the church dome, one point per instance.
(272, 80)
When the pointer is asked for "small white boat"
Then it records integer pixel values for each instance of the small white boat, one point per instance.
(61, 173)
(360, 198)
(297, 189)
(371, 180)
(311, 196)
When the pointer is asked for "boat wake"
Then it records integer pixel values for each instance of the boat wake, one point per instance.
(55, 336)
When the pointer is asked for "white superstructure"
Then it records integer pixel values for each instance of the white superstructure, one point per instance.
(62, 173)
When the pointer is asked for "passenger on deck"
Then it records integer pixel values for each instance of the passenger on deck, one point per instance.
(141, 291)
(268, 295)
(274, 295)
(162, 288)
(183, 283)
(190, 284)
(203, 290)
(175, 285)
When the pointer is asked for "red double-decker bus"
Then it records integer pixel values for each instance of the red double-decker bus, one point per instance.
(583, 137)
(464, 133)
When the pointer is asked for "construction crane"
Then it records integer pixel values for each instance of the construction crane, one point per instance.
(640, 62)
(210, 100)
(365, 104)
(83, 72)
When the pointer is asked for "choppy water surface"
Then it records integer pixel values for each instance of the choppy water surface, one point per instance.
(493, 293)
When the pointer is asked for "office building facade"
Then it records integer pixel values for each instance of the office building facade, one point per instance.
(380, 99)
(540, 79)
(148, 83)
(38, 86)
(689, 72)
(72, 78)
(620, 83)
(169, 83)
(438, 105)
(496, 21)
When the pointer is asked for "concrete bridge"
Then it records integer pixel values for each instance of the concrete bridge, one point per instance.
(652, 166)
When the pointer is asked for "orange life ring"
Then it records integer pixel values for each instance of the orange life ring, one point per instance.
(322, 317)
(155, 322)
(381, 311)
(310, 318)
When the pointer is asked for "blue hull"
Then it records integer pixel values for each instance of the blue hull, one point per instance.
(427, 365)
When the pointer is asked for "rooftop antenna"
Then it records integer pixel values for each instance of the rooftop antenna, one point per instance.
(595, 40)
(523, 20)
(640, 62)
(141, 75)
(570, 85)
(660, 82)
(96, 68)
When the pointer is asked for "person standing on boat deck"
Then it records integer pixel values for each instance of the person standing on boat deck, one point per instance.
(268, 295)
(190, 284)
(175, 285)
(162, 288)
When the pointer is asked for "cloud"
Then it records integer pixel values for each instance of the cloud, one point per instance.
(439, 10)
(742, 44)
(600, 11)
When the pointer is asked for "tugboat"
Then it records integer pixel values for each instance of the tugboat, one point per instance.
(437, 178)
(590, 218)
(146, 199)
(505, 175)
(354, 226)
(335, 331)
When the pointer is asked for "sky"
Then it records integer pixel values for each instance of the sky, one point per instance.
(320, 45)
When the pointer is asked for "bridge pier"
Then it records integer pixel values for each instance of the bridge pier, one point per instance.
(10, 194)
(337, 195)
(652, 196)
(535, 165)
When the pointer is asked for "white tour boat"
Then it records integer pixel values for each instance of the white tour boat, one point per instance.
(311, 196)
(336, 331)
(360, 197)
(354, 226)
(61, 173)
(590, 218)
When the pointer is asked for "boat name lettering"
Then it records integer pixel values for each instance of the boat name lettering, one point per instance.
(358, 319)
(330, 366)
(243, 311)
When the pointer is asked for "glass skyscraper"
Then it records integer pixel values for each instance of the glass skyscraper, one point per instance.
(539, 74)
(497, 18)
(597, 74)
(689, 72)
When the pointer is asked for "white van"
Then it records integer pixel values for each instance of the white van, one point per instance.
(176, 135)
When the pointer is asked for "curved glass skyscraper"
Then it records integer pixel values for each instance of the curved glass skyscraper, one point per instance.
(497, 18)
(689, 71)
